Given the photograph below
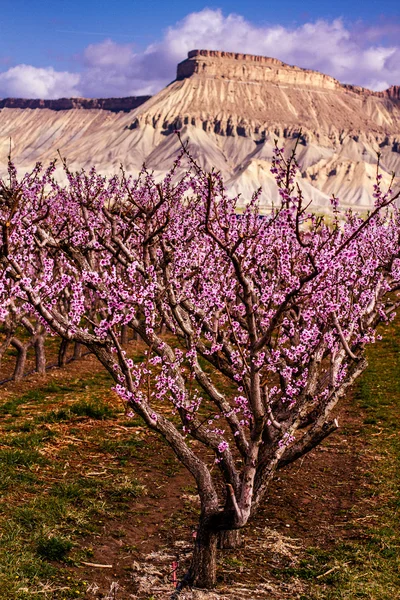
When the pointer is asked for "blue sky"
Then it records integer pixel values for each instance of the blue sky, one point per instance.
(127, 47)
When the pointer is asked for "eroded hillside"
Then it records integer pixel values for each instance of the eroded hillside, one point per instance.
(231, 108)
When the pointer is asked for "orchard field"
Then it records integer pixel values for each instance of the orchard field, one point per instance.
(81, 484)
(186, 409)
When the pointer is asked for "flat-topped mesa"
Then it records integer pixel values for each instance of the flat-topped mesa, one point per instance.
(250, 68)
(110, 104)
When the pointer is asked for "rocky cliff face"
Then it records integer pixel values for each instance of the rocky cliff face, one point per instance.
(250, 68)
(250, 96)
(231, 108)
(393, 92)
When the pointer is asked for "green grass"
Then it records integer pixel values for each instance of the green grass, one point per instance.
(30, 439)
(53, 547)
(93, 409)
(51, 499)
(124, 449)
(20, 458)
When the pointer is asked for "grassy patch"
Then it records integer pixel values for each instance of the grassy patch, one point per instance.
(60, 481)
(92, 409)
(53, 548)
(20, 458)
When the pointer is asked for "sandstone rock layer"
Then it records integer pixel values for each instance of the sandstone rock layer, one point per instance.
(230, 107)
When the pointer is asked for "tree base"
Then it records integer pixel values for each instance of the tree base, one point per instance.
(229, 539)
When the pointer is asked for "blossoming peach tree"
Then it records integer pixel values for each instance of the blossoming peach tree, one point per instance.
(255, 326)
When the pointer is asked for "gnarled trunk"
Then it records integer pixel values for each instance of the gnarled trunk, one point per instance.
(22, 350)
(203, 570)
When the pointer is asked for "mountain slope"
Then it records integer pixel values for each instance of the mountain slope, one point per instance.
(231, 108)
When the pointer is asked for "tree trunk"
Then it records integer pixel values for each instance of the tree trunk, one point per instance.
(203, 570)
(62, 353)
(40, 355)
(21, 359)
(229, 539)
(77, 351)
(124, 335)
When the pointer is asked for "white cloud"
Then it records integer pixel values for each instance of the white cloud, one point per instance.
(352, 55)
(25, 81)
(108, 54)
(329, 47)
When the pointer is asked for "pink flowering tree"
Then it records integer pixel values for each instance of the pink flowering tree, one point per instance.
(254, 326)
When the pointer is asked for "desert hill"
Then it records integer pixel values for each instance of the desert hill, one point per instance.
(231, 107)
(112, 104)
